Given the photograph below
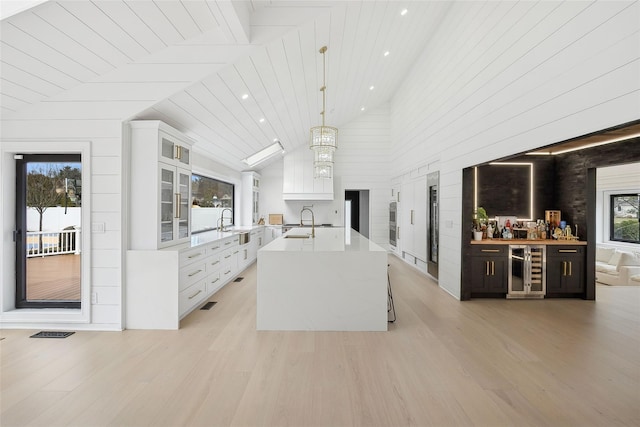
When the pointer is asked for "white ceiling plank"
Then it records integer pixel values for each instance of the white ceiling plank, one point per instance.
(201, 13)
(187, 73)
(119, 91)
(81, 32)
(11, 103)
(133, 24)
(22, 93)
(196, 54)
(103, 25)
(180, 18)
(72, 49)
(38, 67)
(157, 21)
(22, 77)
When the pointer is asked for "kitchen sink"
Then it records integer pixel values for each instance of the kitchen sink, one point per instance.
(297, 236)
(243, 237)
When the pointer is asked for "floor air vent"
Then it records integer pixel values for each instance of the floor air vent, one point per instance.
(52, 334)
(238, 279)
(208, 305)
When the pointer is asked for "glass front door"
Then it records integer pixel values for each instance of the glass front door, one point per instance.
(48, 230)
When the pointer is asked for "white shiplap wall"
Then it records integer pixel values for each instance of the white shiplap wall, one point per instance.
(107, 199)
(361, 163)
(500, 78)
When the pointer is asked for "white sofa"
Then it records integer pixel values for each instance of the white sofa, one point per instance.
(616, 267)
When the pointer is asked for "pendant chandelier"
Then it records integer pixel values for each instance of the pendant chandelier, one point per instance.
(324, 139)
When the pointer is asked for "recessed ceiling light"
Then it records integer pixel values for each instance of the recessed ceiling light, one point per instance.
(371, 87)
(361, 108)
(403, 12)
(386, 53)
(261, 120)
(245, 96)
(276, 140)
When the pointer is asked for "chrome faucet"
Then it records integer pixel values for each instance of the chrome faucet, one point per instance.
(313, 221)
(221, 219)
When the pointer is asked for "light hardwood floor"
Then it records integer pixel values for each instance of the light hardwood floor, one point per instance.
(443, 363)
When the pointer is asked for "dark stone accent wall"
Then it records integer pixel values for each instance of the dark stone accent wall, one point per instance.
(571, 177)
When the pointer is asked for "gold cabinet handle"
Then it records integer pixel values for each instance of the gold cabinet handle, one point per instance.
(178, 152)
(570, 268)
(489, 250)
(194, 295)
(564, 266)
(568, 251)
(493, 268)
(195, 272)
(486, 269)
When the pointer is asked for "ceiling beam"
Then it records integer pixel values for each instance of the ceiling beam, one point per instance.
(236, 17)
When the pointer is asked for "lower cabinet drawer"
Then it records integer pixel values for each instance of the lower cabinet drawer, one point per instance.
(191, 296)
(213, 282)
(191, 274)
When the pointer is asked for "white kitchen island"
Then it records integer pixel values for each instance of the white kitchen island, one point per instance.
(336, 281)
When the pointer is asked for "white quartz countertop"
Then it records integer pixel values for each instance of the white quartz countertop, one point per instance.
(212, 236)
(327, 240)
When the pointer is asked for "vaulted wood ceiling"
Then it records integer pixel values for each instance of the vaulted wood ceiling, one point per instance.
(189, 62)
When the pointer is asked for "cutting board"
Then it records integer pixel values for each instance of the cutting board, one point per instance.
(275, 219)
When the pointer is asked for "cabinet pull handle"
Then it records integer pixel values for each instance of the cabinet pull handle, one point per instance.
(486, 270)
(564, 266)
(227, 256)
(194, 295)
(227, 272)
(176, 210)
(227, 243)
(215, 262)
(411, 216)
(195, 255)
(236, 252)
(217, 247)
(398, 231)
(215, 280)
(489, 250)
(570, 268)
(493, 268)
(178, 152)
(195, 272)
(568, 251)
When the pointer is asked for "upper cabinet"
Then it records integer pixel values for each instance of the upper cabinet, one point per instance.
(249, 209)
(298, 180)
(160, 185)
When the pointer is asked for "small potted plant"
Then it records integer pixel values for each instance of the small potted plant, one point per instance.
(480, 218)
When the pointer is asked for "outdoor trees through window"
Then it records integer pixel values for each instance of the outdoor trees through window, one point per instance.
(625, 219)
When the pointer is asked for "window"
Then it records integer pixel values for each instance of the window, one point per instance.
(210, 197)
(624, 219)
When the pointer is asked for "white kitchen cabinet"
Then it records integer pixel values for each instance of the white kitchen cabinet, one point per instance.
(163, 286)
(272, 232)
(250, 193)
(298, 180)
(160, 185)
(412, 210)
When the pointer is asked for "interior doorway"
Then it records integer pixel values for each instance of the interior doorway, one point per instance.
(47, 233)
(359, 201)
(433, 181)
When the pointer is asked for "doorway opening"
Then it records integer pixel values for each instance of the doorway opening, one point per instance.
(433, 180)
(359, 201)
(47, 234)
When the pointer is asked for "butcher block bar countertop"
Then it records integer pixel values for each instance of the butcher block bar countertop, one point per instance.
(528, 242)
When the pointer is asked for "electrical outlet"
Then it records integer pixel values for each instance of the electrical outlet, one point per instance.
(94, 297)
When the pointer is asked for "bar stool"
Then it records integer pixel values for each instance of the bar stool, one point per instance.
(391, 309)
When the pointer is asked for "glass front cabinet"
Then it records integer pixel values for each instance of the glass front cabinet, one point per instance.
(160, 160)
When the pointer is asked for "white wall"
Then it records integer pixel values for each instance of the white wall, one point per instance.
(107, 198)
(499, 78)
(361, 163)
(613, 180)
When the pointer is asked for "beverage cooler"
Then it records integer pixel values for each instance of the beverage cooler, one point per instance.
(527, 271)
